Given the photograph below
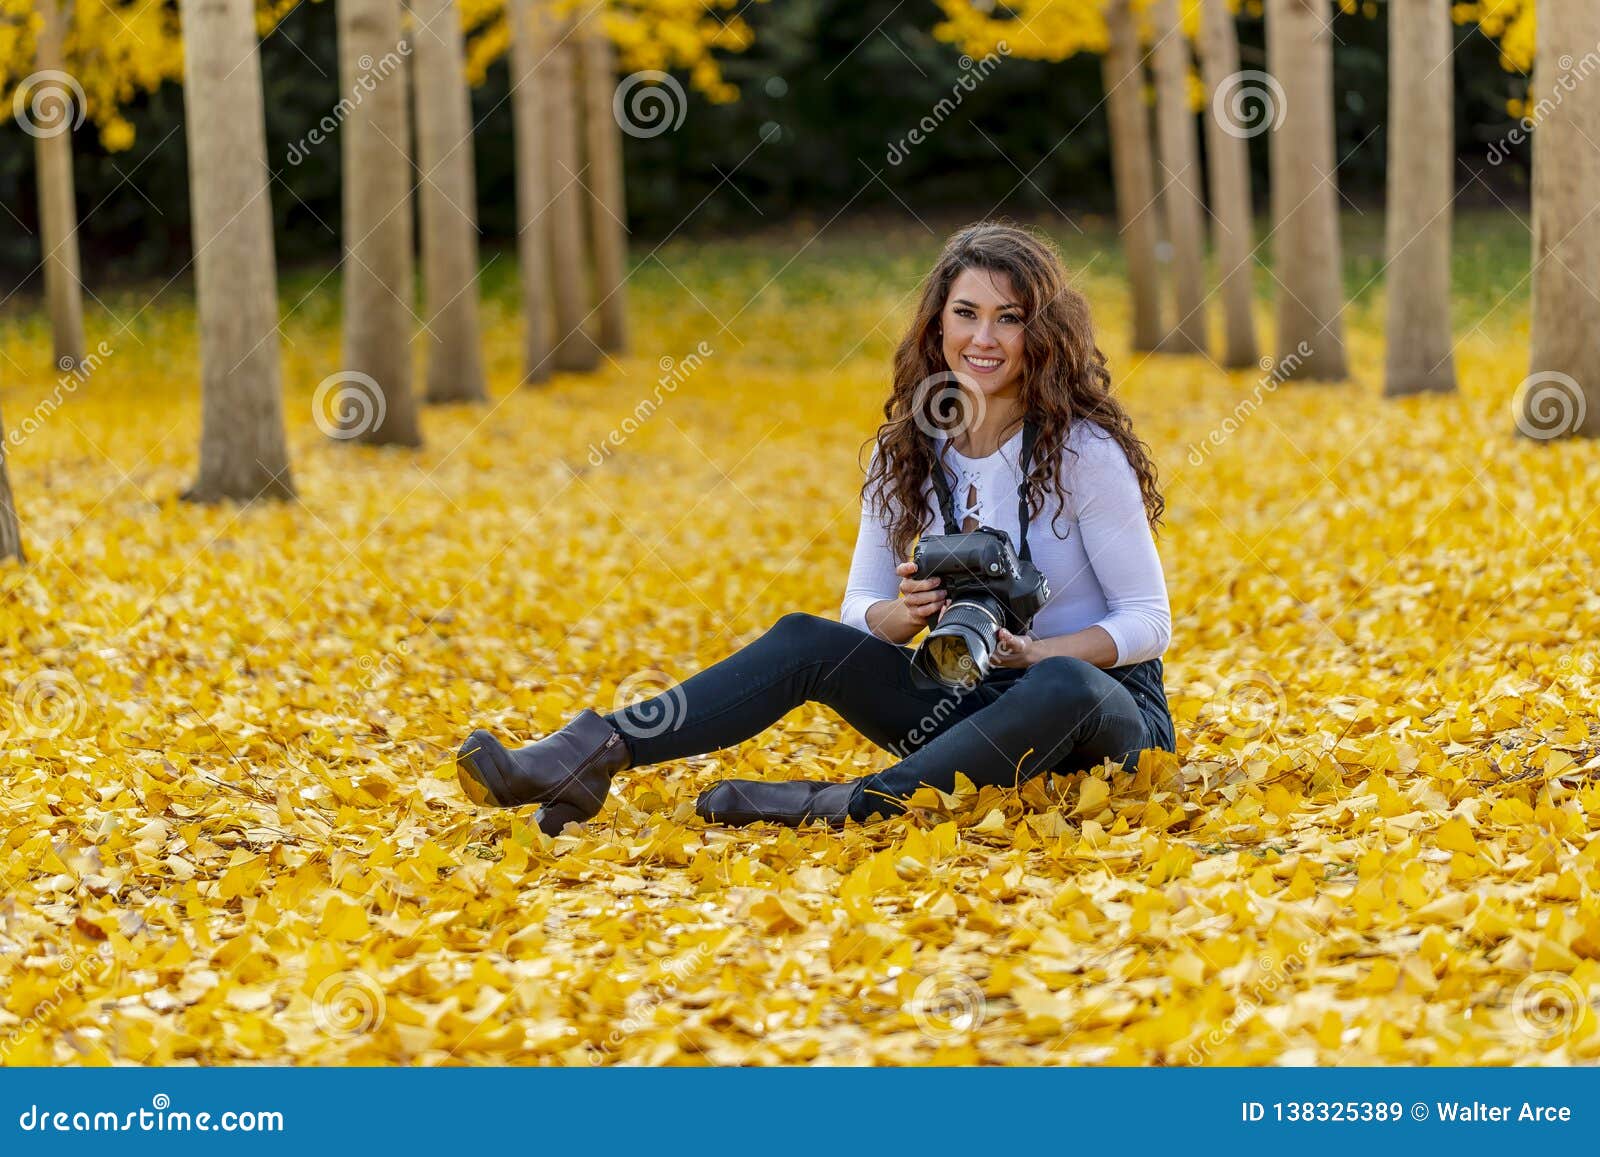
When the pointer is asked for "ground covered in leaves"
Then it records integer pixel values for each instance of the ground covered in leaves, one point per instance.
(232, 831)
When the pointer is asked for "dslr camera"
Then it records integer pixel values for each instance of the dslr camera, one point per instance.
(989, 587)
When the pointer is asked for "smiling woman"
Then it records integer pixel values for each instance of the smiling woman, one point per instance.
(1003, 343)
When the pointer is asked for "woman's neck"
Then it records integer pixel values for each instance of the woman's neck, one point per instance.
(1000, 419)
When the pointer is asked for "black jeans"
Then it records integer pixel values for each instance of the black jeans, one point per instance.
(1059, 714)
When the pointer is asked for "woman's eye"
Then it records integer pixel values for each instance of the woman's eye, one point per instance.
(963, 311)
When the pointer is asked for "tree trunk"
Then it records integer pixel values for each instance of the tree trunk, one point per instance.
(1562, 396)
(608, 209)
(575, 350)
(449, 208)
(375, 396)
(1421, 188)
(1123, 70)
(1181, 201)
(1305, 194)
(529, 81)
(244, 454)
(50, 120)
(1228, 158)
(10, 528)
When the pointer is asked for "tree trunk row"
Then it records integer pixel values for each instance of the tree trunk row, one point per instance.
(1144, 200)
(569, 165)
(385, 80)
(1294, 103)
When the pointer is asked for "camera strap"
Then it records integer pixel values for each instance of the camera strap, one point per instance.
(947, 506)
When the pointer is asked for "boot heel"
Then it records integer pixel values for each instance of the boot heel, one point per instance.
(471, 786)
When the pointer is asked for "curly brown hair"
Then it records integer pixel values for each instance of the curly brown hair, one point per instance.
(1064, 378)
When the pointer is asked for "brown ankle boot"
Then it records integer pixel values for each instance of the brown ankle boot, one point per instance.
(570, 771)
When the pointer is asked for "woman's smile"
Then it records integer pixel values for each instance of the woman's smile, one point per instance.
(983, 331)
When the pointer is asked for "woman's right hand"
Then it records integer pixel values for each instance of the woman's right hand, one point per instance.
(923, 598)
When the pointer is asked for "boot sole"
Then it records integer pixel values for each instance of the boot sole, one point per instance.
(553, 817)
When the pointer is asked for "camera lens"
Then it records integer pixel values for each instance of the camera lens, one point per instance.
(957, 652)
(950, 660)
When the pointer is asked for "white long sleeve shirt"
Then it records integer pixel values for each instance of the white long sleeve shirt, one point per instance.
(1100, 557)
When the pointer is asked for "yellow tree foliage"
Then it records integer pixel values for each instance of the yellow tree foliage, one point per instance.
(1509, 22)
(1048, 29)
(115, 51)
(1032, 29)
(1057, 29)
(118, 50)
(662, 35)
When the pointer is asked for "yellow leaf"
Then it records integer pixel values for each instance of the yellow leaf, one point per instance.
(1455, 835)
(1092, 797)
(342, 920)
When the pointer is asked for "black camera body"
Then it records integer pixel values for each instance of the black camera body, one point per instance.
(989, 587)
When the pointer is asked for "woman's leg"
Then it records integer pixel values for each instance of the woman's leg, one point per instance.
(1062, 713)
(802, 658)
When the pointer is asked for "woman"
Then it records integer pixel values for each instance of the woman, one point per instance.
(999, 331)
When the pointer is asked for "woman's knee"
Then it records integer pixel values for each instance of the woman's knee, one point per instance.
(1066, 680)
(809, 634)
(1101, 711)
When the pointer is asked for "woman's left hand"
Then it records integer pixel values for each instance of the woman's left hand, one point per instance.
(1014, 650)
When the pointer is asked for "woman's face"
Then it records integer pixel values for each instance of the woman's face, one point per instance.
(983, 331)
